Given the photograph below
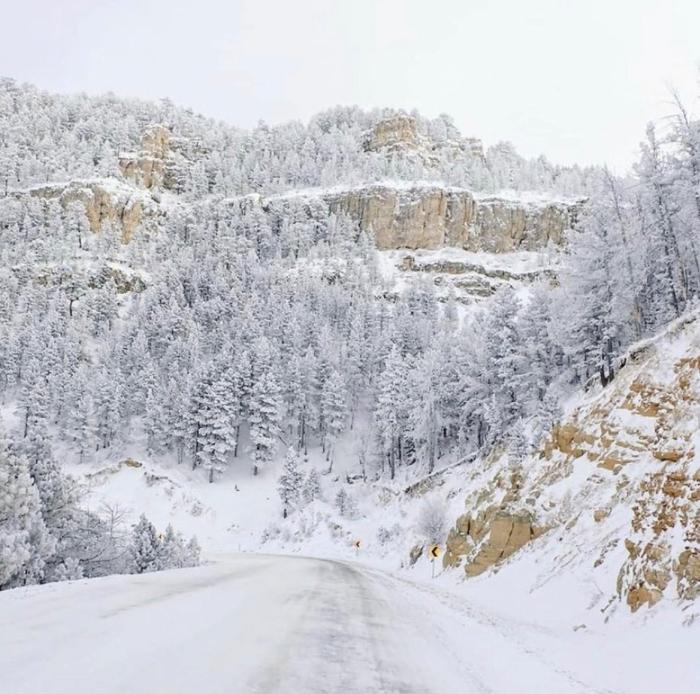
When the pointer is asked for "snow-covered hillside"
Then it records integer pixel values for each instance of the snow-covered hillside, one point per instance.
(604, 516)
(343, 339)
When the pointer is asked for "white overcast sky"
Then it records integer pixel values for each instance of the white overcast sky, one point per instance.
(576, 80)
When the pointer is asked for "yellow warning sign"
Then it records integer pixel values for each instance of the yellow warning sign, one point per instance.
(434, 552)
(357, 544)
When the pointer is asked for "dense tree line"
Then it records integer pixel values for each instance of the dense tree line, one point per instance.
(46, 137)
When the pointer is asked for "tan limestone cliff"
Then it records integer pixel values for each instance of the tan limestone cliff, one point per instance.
(106, 202)
(147, 168)
(433, 217)
(399, 135)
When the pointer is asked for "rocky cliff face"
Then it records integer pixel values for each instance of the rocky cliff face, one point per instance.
(106, 202)
(400, 215)
(399, 135)
(147, 167)
(413, 218)
(434, 217)
(614, 493)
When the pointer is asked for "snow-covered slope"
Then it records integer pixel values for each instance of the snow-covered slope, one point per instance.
(606, 515)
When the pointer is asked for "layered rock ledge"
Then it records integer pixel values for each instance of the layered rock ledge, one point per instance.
(432, 216)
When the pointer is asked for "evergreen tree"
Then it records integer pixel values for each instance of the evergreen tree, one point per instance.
(312, 486)
(333, 412)
(25, 544)
(215, 416)
(144, 547)
(390, 411)
(290, 482)
(264, 410)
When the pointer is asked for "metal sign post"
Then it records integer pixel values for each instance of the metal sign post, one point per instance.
(434, 552)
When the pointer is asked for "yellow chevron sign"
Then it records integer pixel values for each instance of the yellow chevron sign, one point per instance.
(434, 552)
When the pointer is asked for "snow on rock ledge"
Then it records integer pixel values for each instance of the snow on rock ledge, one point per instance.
(431, 215)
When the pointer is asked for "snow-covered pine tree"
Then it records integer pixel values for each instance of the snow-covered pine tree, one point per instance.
(424, 410)
(171, 550)
(264, 409)
(333, 409)
(25, 543)
(390, 410)
(144, 546)
(215, 415)
(289, 485)
(312, 486)
(341, 501)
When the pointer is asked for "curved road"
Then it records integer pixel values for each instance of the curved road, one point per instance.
(252, 624)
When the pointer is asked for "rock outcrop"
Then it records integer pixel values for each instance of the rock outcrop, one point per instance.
(617, 484)
(497, 526)
(147, 168)
(470, 278)
(399, 135)
(433, 217)
(400, 217)
(105, 201)
(488, 538)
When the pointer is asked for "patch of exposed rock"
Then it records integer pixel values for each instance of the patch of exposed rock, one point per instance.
(487, 538)
(105, 202)
(164, 160)
(399, 132)
(147, 168)
(399, 135)
(473, 279)
(433, 217)
(621, 471)
(497, 526)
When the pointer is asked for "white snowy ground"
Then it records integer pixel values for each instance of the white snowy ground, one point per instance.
(263, 623)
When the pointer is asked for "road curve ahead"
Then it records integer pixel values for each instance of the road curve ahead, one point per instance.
(247, 624)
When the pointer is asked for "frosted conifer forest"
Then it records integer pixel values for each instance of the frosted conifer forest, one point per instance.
(358, 403)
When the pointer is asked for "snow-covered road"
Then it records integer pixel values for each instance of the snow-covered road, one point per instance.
(259, 624)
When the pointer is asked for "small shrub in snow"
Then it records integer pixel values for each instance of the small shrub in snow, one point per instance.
(305, 524)
(270, 533)
(69, 570)
(387, 536)
(432, 521)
